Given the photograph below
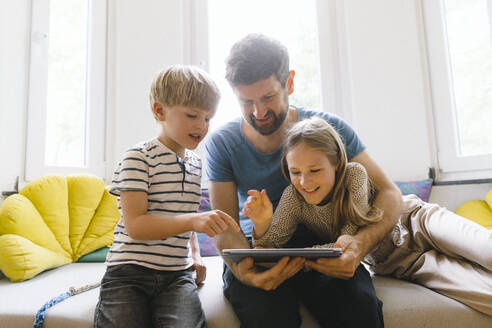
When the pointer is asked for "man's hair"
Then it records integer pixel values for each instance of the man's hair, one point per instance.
(256, 57)
(188, 86)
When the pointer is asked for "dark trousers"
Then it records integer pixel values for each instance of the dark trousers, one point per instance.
(333, 302)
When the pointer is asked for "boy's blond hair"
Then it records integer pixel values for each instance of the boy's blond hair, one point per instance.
(188, 86)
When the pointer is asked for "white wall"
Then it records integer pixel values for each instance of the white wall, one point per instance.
(144, 37)
(387, 84)
(453, 196)
(387, 87)
(384, 58)
(15, 18)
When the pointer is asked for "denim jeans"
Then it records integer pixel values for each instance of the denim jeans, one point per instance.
(332, 302)
(136, 296)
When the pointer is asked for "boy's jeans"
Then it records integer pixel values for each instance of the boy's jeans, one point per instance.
(135, 296)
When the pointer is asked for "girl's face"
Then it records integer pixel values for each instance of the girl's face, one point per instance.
(310, 172)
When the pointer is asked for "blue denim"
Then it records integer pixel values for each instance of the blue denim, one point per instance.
(334, 303)
(136, 296)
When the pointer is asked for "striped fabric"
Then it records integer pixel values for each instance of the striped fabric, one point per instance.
(172, 185)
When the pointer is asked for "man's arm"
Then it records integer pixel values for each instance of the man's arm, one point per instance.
(388, 199)
(223, 196)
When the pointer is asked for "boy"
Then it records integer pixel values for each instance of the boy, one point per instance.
(148, 280)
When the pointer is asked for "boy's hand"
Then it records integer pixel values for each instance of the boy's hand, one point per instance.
(200, 269)
(258, 207)
(213, 222)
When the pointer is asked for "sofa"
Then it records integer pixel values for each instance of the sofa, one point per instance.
(405, 304)
(73, 256)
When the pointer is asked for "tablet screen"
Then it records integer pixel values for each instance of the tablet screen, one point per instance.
(275, 254)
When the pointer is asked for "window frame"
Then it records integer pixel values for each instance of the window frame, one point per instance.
(95, 136)
(334, 69)
(335, 94)
(451, 165)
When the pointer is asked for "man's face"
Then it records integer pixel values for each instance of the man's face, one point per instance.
(264, 104)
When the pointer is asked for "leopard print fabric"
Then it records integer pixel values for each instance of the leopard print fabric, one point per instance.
(292, 210)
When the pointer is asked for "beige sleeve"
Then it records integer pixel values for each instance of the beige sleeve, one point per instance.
(347, 229)
(284, 221)
(357, 182)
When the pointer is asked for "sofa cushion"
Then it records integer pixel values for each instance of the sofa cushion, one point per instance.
(99, 255)
(207, 247)
(479, 211)
(53, 221)
(421, 188)
(405, 304)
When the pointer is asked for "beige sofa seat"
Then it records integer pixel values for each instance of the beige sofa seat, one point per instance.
(405, 304)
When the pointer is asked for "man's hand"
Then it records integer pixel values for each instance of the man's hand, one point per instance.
(342, 267)
(270, 279)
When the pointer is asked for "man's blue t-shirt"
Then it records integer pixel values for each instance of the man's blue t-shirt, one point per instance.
(230, 157)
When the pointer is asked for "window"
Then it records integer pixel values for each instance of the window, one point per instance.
(66, 111)
(292, 22)
(459, 46)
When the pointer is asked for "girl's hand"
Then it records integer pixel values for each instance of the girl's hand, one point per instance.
(342, 267)
(213, 222)
(258, 207)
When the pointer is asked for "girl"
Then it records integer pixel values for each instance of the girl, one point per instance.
(327, 194)
(429, 245)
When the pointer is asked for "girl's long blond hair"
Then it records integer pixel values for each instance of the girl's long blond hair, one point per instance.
(320, 135)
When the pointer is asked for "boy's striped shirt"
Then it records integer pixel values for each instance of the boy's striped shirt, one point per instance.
(173, 187)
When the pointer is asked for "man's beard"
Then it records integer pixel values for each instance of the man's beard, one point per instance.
(266, 130)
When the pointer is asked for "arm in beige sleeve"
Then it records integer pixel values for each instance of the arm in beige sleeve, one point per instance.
(359, 186)
(357, 183)
(349, 228)
(355, 248)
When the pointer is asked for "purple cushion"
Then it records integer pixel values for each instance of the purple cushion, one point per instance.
(420, 188)
(207, 247)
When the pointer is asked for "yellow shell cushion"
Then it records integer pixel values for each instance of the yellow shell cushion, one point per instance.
(53, 221)
(488, 198)
(479, 211)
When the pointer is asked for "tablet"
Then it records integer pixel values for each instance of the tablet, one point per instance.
(275, 254)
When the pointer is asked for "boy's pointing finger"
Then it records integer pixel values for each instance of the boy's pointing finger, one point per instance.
(229, 220)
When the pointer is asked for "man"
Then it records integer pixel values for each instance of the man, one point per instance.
(245, 154)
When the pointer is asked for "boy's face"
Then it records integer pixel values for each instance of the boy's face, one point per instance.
(264, 104)
(182, 127)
